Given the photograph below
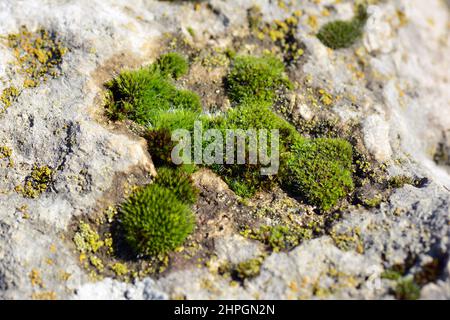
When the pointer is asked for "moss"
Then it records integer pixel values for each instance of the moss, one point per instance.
(173, 65)
(246, 179)
(36, 183)
(160, 146)
(179, 182)
(249, 268)
(342, 34)
(155, 221)
(256, 79)
(87, 240)
(320, 171)
(39, 54)
(407, 289)
(146, 94)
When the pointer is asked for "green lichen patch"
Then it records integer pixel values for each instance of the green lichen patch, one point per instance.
(38, 54)
(320, 170)
(37, 183)
(149, 97)
(155, 221)
(342, 34)
(256, 79)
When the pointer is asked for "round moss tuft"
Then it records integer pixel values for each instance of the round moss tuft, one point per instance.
(173, 64)
(342, 34)
(178, 182)
(256, 79)
(154, 221)
(320, 171)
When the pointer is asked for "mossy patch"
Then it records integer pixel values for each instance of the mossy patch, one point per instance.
(172, 64)
(256, 79)
(342, 34)
(36, 183)
(149, 97)
(155, 221)
(246, 179)
(279, 237)
(179, 182)
(39, 54)
(320, 170)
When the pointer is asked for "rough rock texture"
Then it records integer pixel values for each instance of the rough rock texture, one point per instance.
(403, 106)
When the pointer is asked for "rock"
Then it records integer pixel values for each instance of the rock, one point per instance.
(395, 90)
(376, 137)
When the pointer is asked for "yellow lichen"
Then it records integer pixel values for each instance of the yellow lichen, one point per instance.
(119, 269)
(38, 54)
(36, 183)
(8, 96)
(36, 279)
(87, 240)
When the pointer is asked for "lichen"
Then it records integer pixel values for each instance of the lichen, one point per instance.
(120, 269)
(6, 153)
(8, 96)
(39, 54)
(87, 240)
(249, 268)
(37, 182)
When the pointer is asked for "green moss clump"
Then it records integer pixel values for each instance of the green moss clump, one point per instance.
(407, 289)
(36, 183)
(155, 221)
(246, 179)
(146, 94)
(256, 79)
(179, 182)
(160, 146)
(320, 170)
(173, 64)
(342, 34)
